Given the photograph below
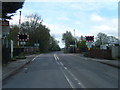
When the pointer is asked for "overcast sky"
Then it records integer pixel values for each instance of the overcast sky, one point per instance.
(87, 18)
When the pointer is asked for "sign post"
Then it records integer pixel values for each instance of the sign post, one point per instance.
(12, 48)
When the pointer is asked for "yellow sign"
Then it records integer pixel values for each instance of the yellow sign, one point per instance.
(89, 49)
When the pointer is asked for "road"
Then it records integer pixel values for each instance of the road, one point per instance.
(58, 70)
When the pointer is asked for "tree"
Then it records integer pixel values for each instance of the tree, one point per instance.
(42, 36)
(112, 39)
(38, 33)
(13, 35)
(34, 21)
(8, 8)
(54, 44)
(101, 39)
(82, 45)
(68, 39)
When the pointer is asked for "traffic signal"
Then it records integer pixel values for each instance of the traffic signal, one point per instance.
(23, 37)
(89, 38)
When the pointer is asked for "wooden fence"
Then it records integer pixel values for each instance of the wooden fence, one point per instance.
(98, 53)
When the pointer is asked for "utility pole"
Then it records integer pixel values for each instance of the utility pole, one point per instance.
(19, 26)
(20, 19)
(74, 42)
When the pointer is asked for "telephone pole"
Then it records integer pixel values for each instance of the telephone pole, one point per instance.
(74, 42)
(19, 26)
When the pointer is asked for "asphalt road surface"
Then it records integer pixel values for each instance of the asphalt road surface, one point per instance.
(58, 70)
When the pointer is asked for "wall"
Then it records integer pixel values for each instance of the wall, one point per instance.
(115, 52)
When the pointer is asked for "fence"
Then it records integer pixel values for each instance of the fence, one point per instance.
(25, 50)
(30, 50)
(5, 55)
(98, 53)
(116, 52)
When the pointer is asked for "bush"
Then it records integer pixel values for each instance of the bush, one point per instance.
(86, 54)
(20, 56)
(66, 51)
(13, 59)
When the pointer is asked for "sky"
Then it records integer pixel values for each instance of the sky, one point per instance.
(85, 17)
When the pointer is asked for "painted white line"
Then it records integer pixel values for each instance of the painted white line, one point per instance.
(26, 70)
(65, 67)
(70, 83)
(56, 58)
(76, 79)
(79, 83)
(61, 63)
(35, 57)
(57, 62)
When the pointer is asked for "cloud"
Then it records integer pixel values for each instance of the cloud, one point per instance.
(109, 26)
(72, 0)
(15, 20)
(94, 6)
(95, 17)
(56, 30)
(63, 18)
(104, 28)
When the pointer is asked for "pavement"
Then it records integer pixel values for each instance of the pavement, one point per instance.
(114, 63)
(14, 66)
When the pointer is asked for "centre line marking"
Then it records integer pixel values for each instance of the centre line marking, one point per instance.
(61, 63)
(76, 79)
(70, 83)
(56, 58)
(65, 67)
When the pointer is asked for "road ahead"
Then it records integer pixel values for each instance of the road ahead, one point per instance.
(58, 70)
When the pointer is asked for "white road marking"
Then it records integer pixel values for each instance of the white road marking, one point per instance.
(61, 63)
(72, 86)
(56, 58)
(74, 77)
(70, 83)
(26, 70)
(35, 57)
(57, 62)
(65, 67)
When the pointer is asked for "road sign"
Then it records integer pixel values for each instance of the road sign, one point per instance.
(4, 25)
(22, 43)
(88, 49)
(89, 44)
